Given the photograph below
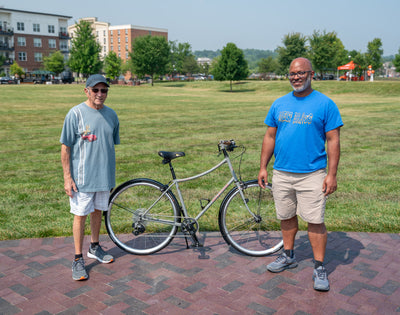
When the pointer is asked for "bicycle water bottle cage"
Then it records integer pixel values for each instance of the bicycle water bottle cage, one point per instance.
(168, 156)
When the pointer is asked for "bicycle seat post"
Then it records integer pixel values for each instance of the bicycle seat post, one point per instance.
(172, 170)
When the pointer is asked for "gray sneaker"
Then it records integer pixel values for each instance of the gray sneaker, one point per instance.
(99, 254)
(281, 263)
(78, 270)
(320, 278)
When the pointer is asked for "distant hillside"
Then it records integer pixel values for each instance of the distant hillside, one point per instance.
(253, 56)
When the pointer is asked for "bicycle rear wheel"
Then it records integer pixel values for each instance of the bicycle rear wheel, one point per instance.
(257, 233)
(132, 227)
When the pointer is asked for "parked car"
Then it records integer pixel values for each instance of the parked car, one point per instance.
(7, 80)
(67, 77)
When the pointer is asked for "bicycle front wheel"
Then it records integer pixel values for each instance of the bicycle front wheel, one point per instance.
(140, 218)
(254, 233)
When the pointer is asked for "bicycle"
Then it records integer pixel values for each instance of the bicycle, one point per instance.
(144, 215)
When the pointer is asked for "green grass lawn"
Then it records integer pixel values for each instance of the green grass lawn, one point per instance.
(193, 117)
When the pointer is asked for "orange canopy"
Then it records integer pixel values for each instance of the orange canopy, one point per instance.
(348, 66)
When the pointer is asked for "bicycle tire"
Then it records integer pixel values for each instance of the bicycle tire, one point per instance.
(241, 230)
(125, 217)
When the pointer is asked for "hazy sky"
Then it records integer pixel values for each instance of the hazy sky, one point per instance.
(259, 24)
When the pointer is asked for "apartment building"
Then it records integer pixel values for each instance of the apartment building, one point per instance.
(100, 31)
(27, 37)
(121, 37)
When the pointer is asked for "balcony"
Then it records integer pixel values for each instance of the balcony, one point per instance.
(63, 35)
(6, 31)
(8, 62)
(5, 47)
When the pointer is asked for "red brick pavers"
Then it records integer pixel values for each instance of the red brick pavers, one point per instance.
(364, 272)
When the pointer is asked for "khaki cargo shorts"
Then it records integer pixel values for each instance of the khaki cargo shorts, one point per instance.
(299, 194)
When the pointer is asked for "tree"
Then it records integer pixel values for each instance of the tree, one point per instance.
(374, 53)
(326, 51)
(190, 65)
(54, 62)
(294, 47)
(179, 52)
(361, 63)
(231, 66)
(15, 69)
(396, 61)
(85, 51)
(150, 55)
(267, 65)
(112, 65)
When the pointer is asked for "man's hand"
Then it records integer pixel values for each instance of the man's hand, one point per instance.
(263, 178)
(329, 185)
(69, 186)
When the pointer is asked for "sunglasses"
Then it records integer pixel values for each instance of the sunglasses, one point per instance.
(104, 91)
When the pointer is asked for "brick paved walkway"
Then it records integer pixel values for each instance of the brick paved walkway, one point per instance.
(364, 272)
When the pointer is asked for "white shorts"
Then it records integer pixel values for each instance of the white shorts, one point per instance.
(84, 203)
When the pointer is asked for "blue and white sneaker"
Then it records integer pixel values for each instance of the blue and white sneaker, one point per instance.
(282, 262)
(320, 278)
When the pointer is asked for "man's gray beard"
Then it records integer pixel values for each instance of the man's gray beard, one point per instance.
(304, 87)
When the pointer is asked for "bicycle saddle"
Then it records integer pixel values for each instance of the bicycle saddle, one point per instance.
(168, 156)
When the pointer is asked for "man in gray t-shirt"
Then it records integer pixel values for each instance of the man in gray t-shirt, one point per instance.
(90, 131)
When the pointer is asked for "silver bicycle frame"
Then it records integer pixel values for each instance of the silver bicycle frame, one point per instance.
(175, 182)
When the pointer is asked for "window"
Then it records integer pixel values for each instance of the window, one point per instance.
(104, 41)
(63, 45)
(105, 48)
(104, 33)
(21, 41)
(112, 40)
(119, 32)
(63, 30)
(126, 40)
(126, 47)
(52, 43)
(20, 26)
(126, 56)
(119, 48)
(22, 56)
(36, 27)
(37, 42)
(112, 47)
(119, 40)
(126, 32)
(38, 57)
(51, 29)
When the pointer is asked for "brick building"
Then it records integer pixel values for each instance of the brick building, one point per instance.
(121, 37)
(117, 38)
(27, 37)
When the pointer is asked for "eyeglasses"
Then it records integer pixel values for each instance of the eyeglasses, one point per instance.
(300, 74)
(95, 91)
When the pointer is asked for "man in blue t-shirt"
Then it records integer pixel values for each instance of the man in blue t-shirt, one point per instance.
(299, 124)
(90, 131)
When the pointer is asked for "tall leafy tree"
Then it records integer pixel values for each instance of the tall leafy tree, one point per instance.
(361, 63)
(190, 65)
(396, 61)
(85, 51)
(179, 52)
(112, 65)
(326, 51)
(267, 65)
(15, 68)
(231, 65)
(54, 62)
(294, 46)
(150, 56)
(374, 53)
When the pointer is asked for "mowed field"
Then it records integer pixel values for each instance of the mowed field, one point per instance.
(192, 117)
